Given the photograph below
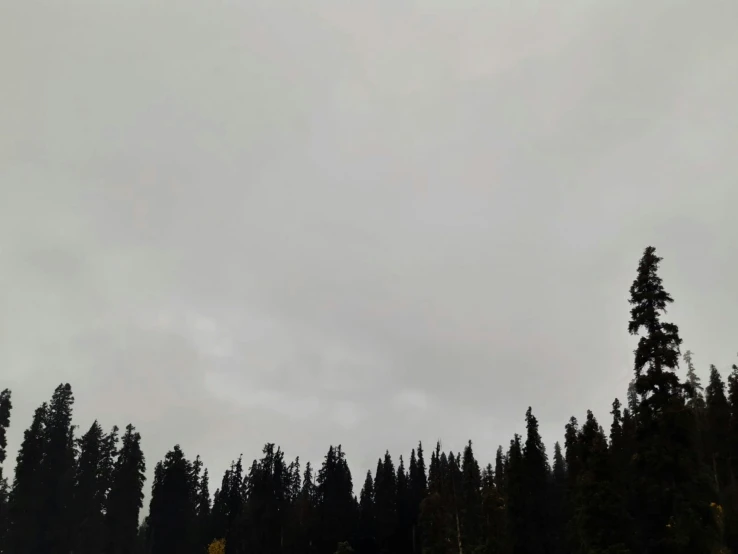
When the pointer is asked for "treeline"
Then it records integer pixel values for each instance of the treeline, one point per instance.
(661, 479)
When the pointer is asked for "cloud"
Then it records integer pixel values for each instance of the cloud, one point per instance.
(368, 224)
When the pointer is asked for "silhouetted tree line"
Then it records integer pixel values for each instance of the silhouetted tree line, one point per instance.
(661, 480)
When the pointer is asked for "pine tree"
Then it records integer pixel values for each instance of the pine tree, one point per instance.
(516, 496)
(89, 494)
(500, 470)
(599, 518)
(125, 499)
(25, 505)
(367, 527)
(307, 514)
(493, 538)
(418, 492)
(219, 517)
(557, 503)
(5, 408)
(673, 511)
(696, 398)
(204, 533)
(173, 506)
(471, 500)
(385, 495)
(337, 509)
(535, 538)
(404, 511)
(717, 433)
(57, 474)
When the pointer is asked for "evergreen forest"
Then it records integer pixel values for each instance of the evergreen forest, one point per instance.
(657, 475)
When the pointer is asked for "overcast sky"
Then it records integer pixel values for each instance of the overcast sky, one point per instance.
(367, 223)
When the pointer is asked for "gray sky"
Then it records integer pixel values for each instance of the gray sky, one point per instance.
(367, 223)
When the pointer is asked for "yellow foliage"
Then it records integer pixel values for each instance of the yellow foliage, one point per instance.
(217, 547)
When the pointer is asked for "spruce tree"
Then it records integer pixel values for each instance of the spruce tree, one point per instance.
(557, 501)
(418, 492)
(125, 499)
(367, 527)
(599, 519)
(89, 494)
(385, 495)
(717, 432)
(535, 485)
(57, 474)
(5, 408)
(26, 503)
(404, 541)
(471, 500)
(173, 506)
(337, 509)
(204, 532)
(673, 506)
(500, 470)
(696, 399)
(516, 496)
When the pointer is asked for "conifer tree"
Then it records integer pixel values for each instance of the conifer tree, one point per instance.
(418, 492)
(516, 496)
(337, 509)
(57, 473)
(89, 494)
(493, 538)
(599, 519)
(404, 510)
(471, 500)
(557, 506)
(204, 532)
(25, 505)
(5, 408)
(500, 470)
(219, 517)
(696, 399)
(385, 495)
(307, 514)
(367, 531)
(173, 506)
(125, 499)
(535, 486)
(717, 432)
(674, 513)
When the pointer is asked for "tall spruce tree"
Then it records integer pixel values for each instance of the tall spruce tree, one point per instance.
(385, 496)
(367, 526)
(5, 407)
(673, 506)
(404, 510)
(535, 486)
(471, 501)
(57, 474)
(337, 509)
(89, 494)
(125, 499)
(717, 432)
(516, 485)
(26, 503)
(173, 506)
(418, 492)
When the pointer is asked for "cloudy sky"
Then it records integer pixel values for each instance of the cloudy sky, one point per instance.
(367, 223)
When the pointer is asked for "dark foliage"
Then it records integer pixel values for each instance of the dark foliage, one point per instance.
(662, 479)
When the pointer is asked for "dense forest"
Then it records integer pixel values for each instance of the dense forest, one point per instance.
(660, 479)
